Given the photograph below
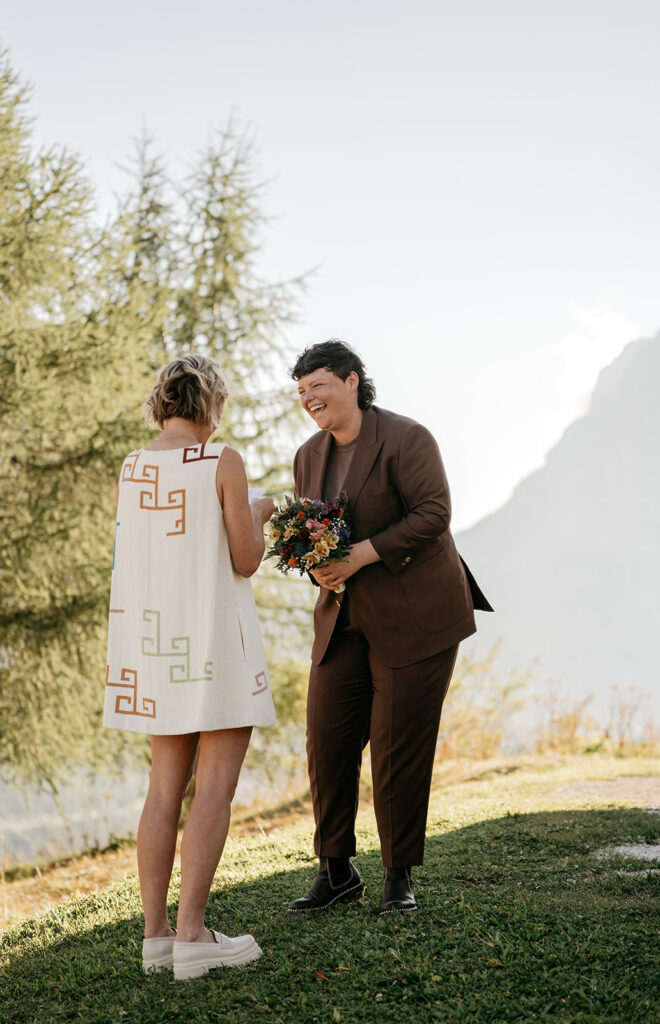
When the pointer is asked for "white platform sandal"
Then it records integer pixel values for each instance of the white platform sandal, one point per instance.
(192, 959)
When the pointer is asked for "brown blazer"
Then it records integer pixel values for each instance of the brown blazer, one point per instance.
(416, 601)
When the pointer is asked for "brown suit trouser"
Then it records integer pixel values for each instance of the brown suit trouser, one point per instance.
(355, 699)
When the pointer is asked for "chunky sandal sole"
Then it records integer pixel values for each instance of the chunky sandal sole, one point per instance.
(196, 968)
(158, 964)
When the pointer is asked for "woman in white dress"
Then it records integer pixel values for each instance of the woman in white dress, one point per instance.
(186, 660)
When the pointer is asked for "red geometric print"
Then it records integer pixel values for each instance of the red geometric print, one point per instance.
(126, 703)
(149, 498)
(197, 457)
(262, 684)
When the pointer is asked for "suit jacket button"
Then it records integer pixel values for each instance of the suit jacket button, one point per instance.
(338, 603)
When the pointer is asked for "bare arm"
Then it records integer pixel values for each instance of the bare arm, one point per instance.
(244, 522)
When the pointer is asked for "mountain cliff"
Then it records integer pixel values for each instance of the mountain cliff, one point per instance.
(571, 562)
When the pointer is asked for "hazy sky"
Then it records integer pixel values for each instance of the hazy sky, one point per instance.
(476, 181)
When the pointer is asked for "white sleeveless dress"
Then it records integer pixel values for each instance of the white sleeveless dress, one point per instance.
(185, 652)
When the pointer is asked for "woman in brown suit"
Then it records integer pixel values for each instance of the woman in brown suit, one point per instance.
(385, 647)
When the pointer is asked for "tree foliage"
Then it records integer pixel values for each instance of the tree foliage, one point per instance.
(88, 313)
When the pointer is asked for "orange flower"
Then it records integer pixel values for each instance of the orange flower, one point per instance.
(326, 522)
(293, 562)
(341, 511)
(301, 515)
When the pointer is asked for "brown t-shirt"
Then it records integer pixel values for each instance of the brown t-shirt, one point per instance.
(337, 467)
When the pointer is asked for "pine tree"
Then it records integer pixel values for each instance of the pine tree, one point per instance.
(76, 356)
(87, 317)
(224, 310)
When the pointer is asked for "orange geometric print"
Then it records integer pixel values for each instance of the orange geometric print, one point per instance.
(126, 703)
(149, 497)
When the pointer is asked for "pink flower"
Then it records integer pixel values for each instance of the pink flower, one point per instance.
(316, 529)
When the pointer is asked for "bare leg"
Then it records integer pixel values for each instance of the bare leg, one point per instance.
(221, 755)
(172, 759)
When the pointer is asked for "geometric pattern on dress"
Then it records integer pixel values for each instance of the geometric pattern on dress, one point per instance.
(198, 454)
(150, 499)
(126, 703)
(179, 649)
(262, 683)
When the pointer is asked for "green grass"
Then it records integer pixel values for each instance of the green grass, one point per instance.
(518, 921)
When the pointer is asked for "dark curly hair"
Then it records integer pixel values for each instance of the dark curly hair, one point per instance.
(340, 359)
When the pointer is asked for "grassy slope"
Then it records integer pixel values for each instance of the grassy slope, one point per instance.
(518, 922)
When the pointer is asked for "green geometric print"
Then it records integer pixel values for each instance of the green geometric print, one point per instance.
(179, 649)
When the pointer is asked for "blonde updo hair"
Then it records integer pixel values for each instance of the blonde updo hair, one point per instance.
(192, 387)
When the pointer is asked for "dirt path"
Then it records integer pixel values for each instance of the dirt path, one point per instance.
(638, 790)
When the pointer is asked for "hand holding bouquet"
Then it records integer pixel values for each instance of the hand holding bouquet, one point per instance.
(305, 534)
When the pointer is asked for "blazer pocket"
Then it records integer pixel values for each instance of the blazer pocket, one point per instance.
(432, 600)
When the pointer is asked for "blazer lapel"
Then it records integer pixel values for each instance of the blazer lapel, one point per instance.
(317, 463)
(367, 449)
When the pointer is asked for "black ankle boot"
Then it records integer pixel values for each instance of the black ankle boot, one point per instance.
(398, 893)
(338, 880)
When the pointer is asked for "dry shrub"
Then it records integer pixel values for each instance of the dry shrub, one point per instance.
(568, 727)
(480, 719)
(630, 728)
(476, 719)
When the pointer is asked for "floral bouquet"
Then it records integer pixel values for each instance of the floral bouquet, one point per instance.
(305, 534)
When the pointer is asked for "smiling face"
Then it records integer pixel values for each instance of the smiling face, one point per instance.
(332, 402)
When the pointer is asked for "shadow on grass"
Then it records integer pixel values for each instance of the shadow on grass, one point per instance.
(518, 921)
